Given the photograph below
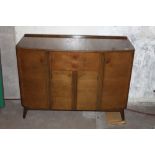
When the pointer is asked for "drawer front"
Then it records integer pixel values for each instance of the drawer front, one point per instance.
(89, 62)
(64, 61)
(74, 61)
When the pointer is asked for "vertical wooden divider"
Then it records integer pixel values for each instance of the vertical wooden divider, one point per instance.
(50, 60)
(100, 81)
(74, 89)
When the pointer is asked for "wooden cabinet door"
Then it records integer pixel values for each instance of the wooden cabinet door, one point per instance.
(116, 80)
(34, 78)
(74, 80)
(87, 81)
(61, 92)
(87, 90)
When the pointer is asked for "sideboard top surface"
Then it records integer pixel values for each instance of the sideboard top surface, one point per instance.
(75, 43)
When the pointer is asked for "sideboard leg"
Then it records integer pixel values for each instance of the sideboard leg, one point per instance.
(122, 114)
(24, 113)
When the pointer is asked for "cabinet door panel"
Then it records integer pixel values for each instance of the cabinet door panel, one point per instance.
(33, 73)
(117, 72)
(87, 90)
(61, 90)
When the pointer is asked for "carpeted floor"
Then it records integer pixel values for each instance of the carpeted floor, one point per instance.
(11, 118)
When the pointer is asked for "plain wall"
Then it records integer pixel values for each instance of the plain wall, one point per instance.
(143, 39)
(9, 64)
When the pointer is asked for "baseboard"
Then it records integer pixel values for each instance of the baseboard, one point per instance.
(12, 99)
(150, 100)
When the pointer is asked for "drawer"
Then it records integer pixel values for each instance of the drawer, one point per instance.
(75, 61)
(89, 62)
(64, 61)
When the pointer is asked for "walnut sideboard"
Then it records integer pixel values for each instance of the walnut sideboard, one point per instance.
(74, 72)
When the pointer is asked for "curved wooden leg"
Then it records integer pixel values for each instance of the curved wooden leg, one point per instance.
(122, 114)
(24, 113)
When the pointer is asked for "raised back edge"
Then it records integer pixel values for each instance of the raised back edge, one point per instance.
(75, 36)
